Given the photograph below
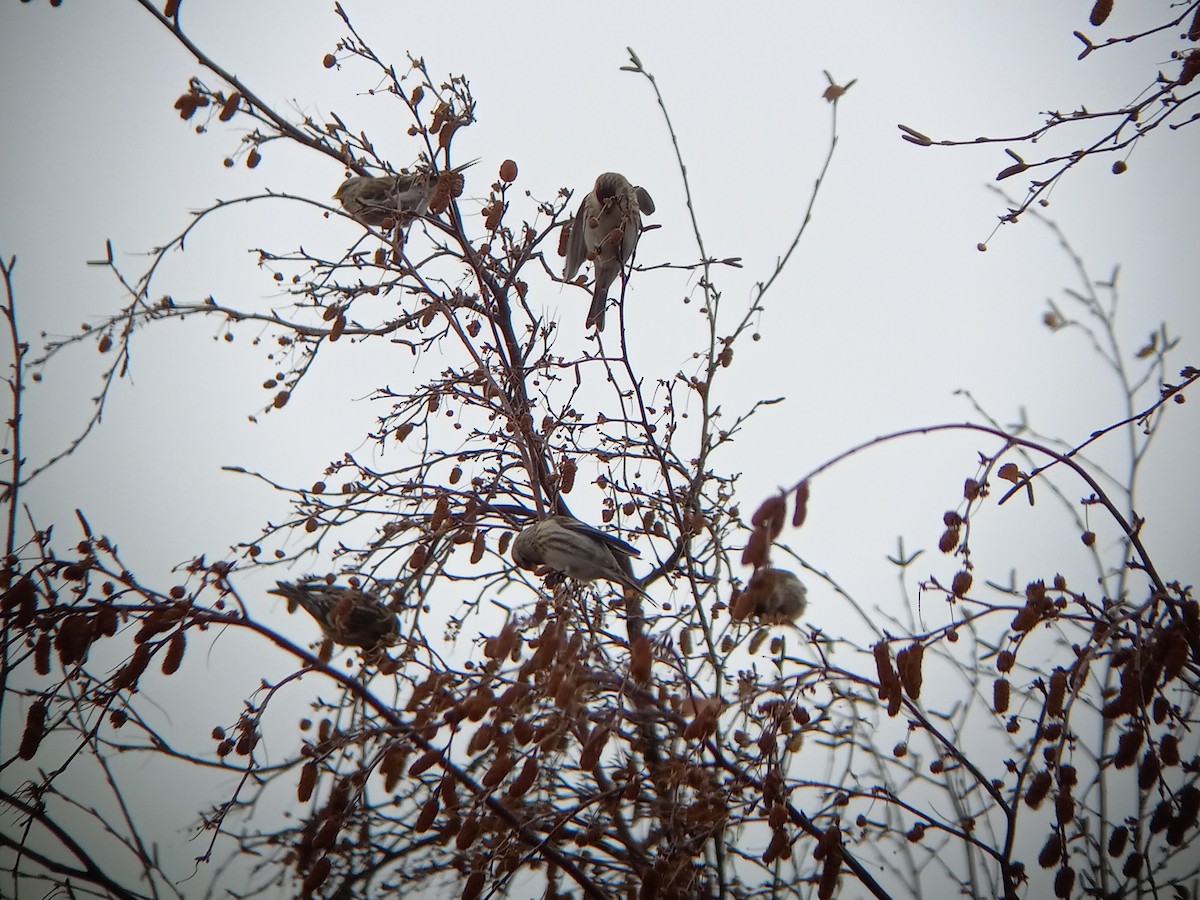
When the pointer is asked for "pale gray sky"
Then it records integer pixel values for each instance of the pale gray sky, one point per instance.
(886, 309)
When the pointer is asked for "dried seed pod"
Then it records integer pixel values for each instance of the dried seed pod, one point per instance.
(883, 665)
(424, 762)
(129, 674)
(316, 876)
(1051, 851)
(1056, 693)
(1064, 882)
(1175, 655)
(894, 700)
(73, 638)
(770, 516)
(1189, 805)
(566, 475)
(775, 848)
(1128, 745)
(503, 764)
(961, 583)
(800, 512)
(1117, 841)
(742, 606)
(1000, 695)
(1005, 660)
(308, 781)
(22, 597)
(1168, 750)
(908, 661)
(524, 780)
(230, 107)
(35, 729)
(174, 655)
(1064, 807)
(1149, 770)
(1039, 787)
(508, 171)
(948, 542)
(1161, 817)
(757, 640)
(427, 816)
(1133, 865)
(1100, 12)
(474, 886)
(41, 655)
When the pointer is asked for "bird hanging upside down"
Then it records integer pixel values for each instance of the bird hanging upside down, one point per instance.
(606, 230)
(348, 616)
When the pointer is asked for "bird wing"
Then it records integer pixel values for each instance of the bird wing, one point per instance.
(614, 543)
(577, 242)
(645, 203)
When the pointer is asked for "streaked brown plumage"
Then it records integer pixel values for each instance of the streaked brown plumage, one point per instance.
(606, 230)
(577, 550)
(388, 200)
(776, 596)
(347, 615)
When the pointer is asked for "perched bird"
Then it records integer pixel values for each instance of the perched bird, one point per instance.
(576, 550)
(396, 199)
(347, 615)
(605, 230)
(773, 595)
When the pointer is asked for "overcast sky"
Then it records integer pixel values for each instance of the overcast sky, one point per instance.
(885, 311)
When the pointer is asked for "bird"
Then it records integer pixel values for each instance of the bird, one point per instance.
(378, 200)
(576, 550)
(606, 230)
(775, 596)
(347, 615)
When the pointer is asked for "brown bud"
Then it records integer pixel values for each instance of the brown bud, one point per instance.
(1051, 851)
(1149, 770)
(424, 761)
(1064, 882)
(1056, 693)
(1128, 745)
(908, 662)
(1168, 750)
(503, 764)
(1117, 841)
(1039, 787)
(174, 655)
(524, 781)
(35, 729)
(41, 655)
(308, 781)
(962, 583)
(427, 816)
(230, 107)
(508, 171)
(1000, 695)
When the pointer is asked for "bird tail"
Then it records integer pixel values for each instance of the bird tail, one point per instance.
(595, 314)
(298, 596)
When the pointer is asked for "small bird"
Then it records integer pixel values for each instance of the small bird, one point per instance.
(775, 596)
(347, 615)
(396, 199)
(576, 550)
(605, 230)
